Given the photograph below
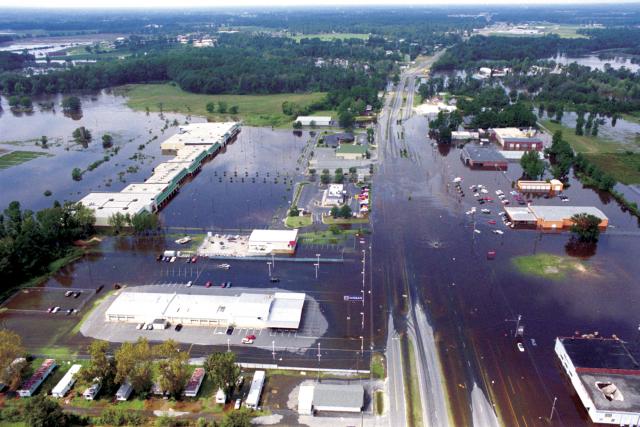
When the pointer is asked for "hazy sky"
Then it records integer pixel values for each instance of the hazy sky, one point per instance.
(83, 4)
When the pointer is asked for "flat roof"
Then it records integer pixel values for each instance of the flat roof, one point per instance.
(482, 154)
(313, 118)
(108, 203)
(558, 213)
(164, 173)
(276, 236)
(627, 385)
(511, 133)
(188, 154)
(152, 304)
(286, 306)
(144, 188)
(601, 353)
(198, 134)
(520, 214)
(338, 395)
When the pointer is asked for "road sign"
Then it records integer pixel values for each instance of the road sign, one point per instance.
(353, 297)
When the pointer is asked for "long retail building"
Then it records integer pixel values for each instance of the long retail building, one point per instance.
(552, 217)
(192, 146)
(245, 309)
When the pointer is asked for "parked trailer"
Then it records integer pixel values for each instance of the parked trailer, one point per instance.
(253, 398)
(193, 386)
(92, 392)
(124, 391)
(31, 385)
(66, 383)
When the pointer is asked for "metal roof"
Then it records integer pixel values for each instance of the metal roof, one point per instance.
(277, 236)
(338, 396)
(520, 214)
(601, 353)
(482, 154)
(558, 213)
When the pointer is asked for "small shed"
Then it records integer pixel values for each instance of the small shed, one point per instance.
(305, 400)
(221, 397)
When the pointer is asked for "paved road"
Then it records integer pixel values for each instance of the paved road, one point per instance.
(395, 386)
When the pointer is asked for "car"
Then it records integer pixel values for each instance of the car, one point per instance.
(223, 284)
(229, 330)
(208, 284)
(99, 288)
(149, 326)
(189, 283)
(68, 293)
(77, 294)
(49, 310)
(274, 279)
(229, 284)
(237, 404)
(139, 326)
(69, 311)
(194, 259)
(178, 327)
(188, 261)
(520, 347)
(173, 259)
(55, 309)
(249, 339)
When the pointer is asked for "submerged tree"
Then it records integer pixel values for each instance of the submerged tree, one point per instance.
(532, 166)
(586, 227)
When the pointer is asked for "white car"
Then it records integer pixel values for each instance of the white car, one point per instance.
(498, 232)
(189, 283)
(139, 326)
(55, 309)
(520, 347)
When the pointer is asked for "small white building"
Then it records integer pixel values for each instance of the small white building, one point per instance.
(124, 391)
(314, 120)
(66, 383)
(323, 397)
(334, 195)
(91, 392)
(265, 242)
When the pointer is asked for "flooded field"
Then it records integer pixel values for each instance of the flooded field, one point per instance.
(598, 62)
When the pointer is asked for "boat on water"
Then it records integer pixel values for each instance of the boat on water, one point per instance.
(224, 266)
(485, 211)
(183, 240)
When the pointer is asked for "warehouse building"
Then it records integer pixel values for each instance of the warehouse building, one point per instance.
(265, 242)
(516, 139)
(243, 310)
(314, 120)
(192, 145)
(605, 374)
(323, 397)
(552, 186)
(465, 136)
(478, 157)
(552, 217)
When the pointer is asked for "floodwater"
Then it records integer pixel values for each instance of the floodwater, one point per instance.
(473, 302)
(598, 62)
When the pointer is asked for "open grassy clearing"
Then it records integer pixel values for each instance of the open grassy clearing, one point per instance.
(379, 402)
(378, 366)
(327, 237)
(632, 117)
(548, 266)
(565, 31)
(326, 37)
(298, 221)
(254, 110)
(14, 158)
(622, 161)
(328, 219)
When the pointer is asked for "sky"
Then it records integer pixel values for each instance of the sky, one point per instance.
(84, 4)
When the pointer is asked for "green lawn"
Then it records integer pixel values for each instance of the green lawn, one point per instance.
(612, 157)
(379, 402)
(565, 31)
(331, 220)
(548, 266)
(298, 221)
(14, 158)
(326, 237)
(331, 36)
(377, 366)
(254, 110)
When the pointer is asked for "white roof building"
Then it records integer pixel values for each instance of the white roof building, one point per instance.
(67, 381)
(250, 310)
(317, 120)
(262, 242)
(330, 398)
(201, 134)
(105, 205)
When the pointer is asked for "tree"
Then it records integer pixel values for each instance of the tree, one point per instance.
(222, 370)
(100, 366)
(345, 211)
(10, 350)
(172, 368)
(325, 178)
(580, 124)
(334, 212)
(44, 140)
(241, 418)
(532, 166)
(107, 140)
(211, 107)
(82, 135)
(14, 101)
(71, 104)
(144, 221)
(222, 107)
(346, 119)
(76, 174)
(594, 129)
(234, 109)
(134, 364)
(26, 103)
(118, 221)
(294, 211)
(297, 125)
(370, 135)
(338, 176)
(41, 411)
(586, 227)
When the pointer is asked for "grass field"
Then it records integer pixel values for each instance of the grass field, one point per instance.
(254, 110)
(548, 266)
(379, 402)
(326, 237)
(331, 220)
(565, 31)
(331, 36)
(377, 366)
(298, 221)
(612, 157)
(14, 158)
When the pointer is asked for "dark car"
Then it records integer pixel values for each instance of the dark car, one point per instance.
(230, 330)
(274, 279)
(178, 327)
(77, 294)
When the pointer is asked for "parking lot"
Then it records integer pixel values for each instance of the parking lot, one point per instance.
(224, 245)
(45, 300)
(313, 326)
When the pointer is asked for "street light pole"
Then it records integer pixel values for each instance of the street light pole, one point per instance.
(553, 407)
(269, 264)
(273, 350)
(517, 325)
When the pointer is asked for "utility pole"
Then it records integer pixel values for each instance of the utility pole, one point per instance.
(517, 325)
(273, 261)
(273, 350)
(269, 264)
(553, 407)
(318, 362)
